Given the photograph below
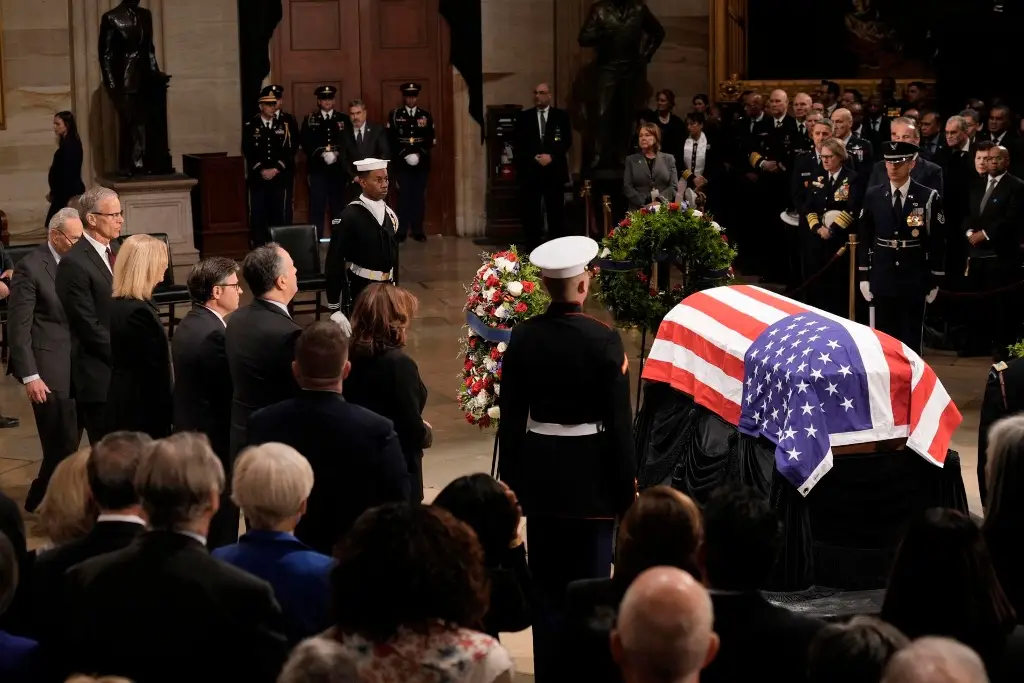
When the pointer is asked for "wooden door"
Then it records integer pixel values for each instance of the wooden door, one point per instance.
(368, 48)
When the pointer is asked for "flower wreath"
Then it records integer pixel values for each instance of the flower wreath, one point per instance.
(505, 291)
(673, 236)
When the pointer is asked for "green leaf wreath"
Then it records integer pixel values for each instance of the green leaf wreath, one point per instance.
(1016, 350)
(688, 241)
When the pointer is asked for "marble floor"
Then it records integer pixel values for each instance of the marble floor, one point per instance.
(436, 272)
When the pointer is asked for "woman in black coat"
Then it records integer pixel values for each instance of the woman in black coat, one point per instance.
(65, 175)
(140, 395)
(673, 130)
(383, 378)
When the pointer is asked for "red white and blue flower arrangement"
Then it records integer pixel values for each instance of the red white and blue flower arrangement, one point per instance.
(505, 291)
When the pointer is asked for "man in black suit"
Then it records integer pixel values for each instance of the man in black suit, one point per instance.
(925, 172)
(742, 538)
(957, 160)
(993, 232)
(876, 123)
(209, 621)
(202, 379)
(85, 279)
(543, 139)
(111, 470)
(1000, 130)
(355, 454)
(365, 140)
(41, 347)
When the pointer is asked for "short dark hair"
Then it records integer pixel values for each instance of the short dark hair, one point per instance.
(381, 318)
(261, 268)
(111, 469)
(742, 537)
(971, 114)
(669, 95)
(857, 96)
(662, 528)
(832, 87)
(321, 351)
(702, 97)
(482, 503)
(985, 146)
(206, 274)
(853, 652)
(408, 565)
(696, 117)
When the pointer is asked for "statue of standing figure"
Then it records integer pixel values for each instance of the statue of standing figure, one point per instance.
(625, 35)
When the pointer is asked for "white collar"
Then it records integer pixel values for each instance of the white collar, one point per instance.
(326, 114)
(277, 114)
(377, 208)
(267, 121)
(128, 519)
(541, 110)
(411, 110)
(53, 252)
(902, 188)
(100, 248)
(966, 147)
(996, 178)
(279, 305)
(362, 128)
(997, 138)
(759, 117)
(779, 120)
(219, 316)
(192, 534)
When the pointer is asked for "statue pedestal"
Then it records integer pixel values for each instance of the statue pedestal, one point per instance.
(154, 204)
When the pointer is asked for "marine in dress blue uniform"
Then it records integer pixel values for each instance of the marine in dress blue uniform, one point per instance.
(293, 125)
(267, 144)
(565, 437)
(903, 224)
(323, 140)
(411, 129)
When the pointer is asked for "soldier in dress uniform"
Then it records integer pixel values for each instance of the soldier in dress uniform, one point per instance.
(267, 144)
(569, 459)
(363, 248)
(1004, 396)
(412, 134)
(323, 140)
(903, 224)
(293, 125)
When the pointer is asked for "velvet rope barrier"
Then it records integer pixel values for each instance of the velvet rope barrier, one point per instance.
(817, 276)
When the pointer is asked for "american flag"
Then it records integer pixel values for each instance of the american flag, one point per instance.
(804, 379)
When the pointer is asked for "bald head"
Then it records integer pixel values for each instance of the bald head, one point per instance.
(842, 121)
(664, 631)
(778, 103)
(935, 660)
(801, 105)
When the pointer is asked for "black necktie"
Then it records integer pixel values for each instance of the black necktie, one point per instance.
(543, 122)
(897, 207)
(359, 137)
(693, 158)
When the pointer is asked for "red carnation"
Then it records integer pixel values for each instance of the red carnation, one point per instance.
(724, 239)
(528, 287)
(612, 233)
(503, 326)
(654, 291)
(510, 256)
(489, 381)
(673, 206)
(497, 373)
(469, 418)
(521, 307)
(644, 211)
(492, 281)
(476, 286)
(625, 223)
(495, 354)
(641, 277)
(496, 297)
(468, 366)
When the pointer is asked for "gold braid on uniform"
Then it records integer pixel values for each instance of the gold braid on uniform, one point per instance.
(813, 221)
(287, 133)
(755, 159)
(844, 220)
(687, 173)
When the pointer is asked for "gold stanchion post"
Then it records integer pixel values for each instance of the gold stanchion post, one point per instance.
(606, 202)
(588, 209)
(853, 275)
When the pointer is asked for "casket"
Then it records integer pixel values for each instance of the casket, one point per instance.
(845, 429)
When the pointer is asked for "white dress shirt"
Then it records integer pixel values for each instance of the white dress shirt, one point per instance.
(279, 305)
(377, 208)
(326, 114)
(219, 316)
(268, 123)
(702, 151)
(990, 186)
(411, 111)
(998, 140)
(128, 519)
(904, 188)
(100, 248)
(361, 130)
(192, 534)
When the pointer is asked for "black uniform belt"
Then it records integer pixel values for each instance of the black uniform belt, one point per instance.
(897, 244)
(411, 141)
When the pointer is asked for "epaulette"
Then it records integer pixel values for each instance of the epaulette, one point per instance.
(1000, 366)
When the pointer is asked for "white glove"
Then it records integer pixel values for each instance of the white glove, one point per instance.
(341, 321)
(865, 290)
(330, 157)
(931, 295)
(412, 159)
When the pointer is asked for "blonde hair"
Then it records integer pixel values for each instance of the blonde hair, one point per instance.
(270, 483)
(837, 146)
(139, 266)
(67, 511)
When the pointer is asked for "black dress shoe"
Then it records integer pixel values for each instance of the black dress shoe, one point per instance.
(420, 238)
(9, 422)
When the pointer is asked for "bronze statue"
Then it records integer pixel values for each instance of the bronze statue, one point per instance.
(137, 88)
(625, 35)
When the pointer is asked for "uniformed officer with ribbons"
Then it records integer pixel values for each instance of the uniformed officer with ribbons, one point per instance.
(565, 437)
(363, 249)
(267, 145)
(411, 130)
(293, 125)
(902, 224)
(323, 140)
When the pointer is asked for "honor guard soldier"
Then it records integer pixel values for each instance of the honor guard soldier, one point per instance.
(267, 145)
(323, 140)
(363, 247)
(567, 456)
(293, 125)
(902, 223)
(412, 134)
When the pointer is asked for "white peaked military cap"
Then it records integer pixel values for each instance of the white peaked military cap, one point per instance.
(364, 165)
(565, 257)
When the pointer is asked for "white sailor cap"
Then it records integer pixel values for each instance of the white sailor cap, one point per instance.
(565, 257)
(364, 165)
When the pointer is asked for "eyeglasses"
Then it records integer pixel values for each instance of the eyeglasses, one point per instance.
(119, 214)
(826, 157)
(70, 241)
(236, 285)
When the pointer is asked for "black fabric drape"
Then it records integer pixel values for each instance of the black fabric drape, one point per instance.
(467, 50)
(257, 20)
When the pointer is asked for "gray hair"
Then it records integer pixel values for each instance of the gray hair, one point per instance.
(1003, 469)
(8, 572)
(909, 123)
(357, 103)
(261, 268)
(178, 479)
(960, 121)
(971, 114)
(92, 198)
(824, 121)
(270, 483)
(318, 660)
(62, 217)
(935, 660)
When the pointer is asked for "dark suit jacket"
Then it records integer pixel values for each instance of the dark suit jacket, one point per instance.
(355, 454)
(47, 579)
(19, 659)
(375, 145)
(1001, 219)
(260, 345)
(202, 380)
(556, 141)
(389, 384)
(927, 173)
(162, 610)
(84, 286)
(139, 399)
(65, 176)
(756, 634)
(639, 179)
(591, 608)
(806, 168)
(876, 138)
(299, 576)
(39, 335)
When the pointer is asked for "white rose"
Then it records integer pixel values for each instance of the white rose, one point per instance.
(482, 270)
(697, 213)
(500, 311)
(494, 412)
(606, 252)
(515, 288)
(487, 294)
(716, 226)
(502, 346)
(506, 265)
(490, 364)
(499, 263)
(497, 389)
(480, 310)
(482, 399)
